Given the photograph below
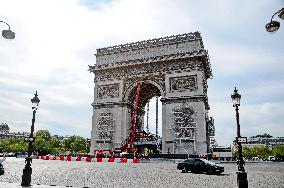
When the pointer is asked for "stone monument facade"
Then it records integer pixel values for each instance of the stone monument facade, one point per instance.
(175, 68)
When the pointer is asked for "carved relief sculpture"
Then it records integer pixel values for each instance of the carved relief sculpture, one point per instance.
(108, 91)
(105, 127)
(184, 83)
(210, 127)
(184, 125)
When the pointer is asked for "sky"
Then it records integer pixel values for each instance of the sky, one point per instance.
(56, 41)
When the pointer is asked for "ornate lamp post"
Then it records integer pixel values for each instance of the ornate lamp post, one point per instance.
(273, 26)
(8, 34)
(27, 171)
(241, 174)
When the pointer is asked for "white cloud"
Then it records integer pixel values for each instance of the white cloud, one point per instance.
(55, 42)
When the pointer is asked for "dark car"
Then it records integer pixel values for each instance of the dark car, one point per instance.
(197, 165)
(2, 171)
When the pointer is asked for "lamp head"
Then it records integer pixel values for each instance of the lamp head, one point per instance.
(236, 97)
(281, 14)
(272, 26)
(35, 101)
(8, 34)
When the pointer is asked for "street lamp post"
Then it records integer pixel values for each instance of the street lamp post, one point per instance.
(273, 26)
(7, 34)
(241, 174)
(27, 171)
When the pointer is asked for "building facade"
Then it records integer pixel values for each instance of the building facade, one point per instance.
(5, 132)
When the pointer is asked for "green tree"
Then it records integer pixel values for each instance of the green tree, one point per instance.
(68, 143)
(42, 143)
(76, 144)
(257, 151)
(247, 152)
(57, 146)
(15, 145)
(278, 151)
(4, 146)
(44, 134)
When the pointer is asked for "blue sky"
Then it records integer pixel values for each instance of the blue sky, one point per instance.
(55, 42)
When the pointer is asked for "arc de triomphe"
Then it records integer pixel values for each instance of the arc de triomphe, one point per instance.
(175, 68)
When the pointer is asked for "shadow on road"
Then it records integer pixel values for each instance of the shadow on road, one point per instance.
(223, 174)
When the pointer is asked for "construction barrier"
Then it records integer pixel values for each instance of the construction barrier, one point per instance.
(68, 158)
(89, 159)
(110, 160)
(135, 160)
(123, 160)
(79, 158)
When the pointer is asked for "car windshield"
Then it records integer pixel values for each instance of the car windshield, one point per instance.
(189, 161)
(206, 161)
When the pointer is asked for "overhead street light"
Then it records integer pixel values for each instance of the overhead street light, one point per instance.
(8, 34)
(27, 171)
(273, 26)
(241, 174)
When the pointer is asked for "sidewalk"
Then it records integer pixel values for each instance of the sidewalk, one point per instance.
(18, 185)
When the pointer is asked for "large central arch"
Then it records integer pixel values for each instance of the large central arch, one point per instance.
(175, 68)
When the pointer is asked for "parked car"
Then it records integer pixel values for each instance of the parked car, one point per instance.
(2, 171)
(255, 159)
(197, 165)
(271, 158)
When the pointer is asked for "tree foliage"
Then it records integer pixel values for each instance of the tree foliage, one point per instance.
(15, 145)
(263, 152)
(278, 151)
(45, 144)
(76, 144)
(265, 135)
(43, 134)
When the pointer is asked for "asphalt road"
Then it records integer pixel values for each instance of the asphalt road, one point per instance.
(154, 174)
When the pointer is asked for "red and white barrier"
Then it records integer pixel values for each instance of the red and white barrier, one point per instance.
(89, 159)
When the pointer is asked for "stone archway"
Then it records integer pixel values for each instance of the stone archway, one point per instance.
(175, 68)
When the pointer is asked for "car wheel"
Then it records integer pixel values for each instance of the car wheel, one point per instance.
(210, 171)
(184, 170)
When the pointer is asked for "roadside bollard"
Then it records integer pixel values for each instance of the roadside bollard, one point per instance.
(88, 159)
(111, 160)
(123, 160)
(79, 158)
